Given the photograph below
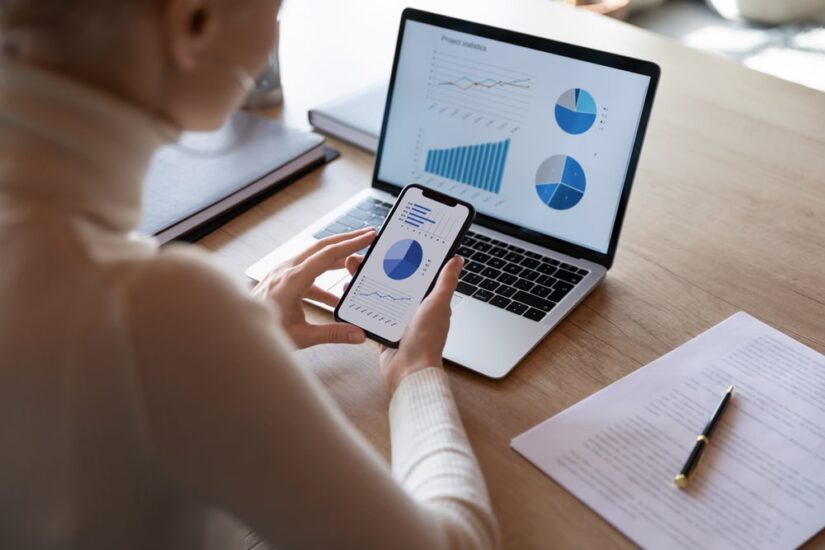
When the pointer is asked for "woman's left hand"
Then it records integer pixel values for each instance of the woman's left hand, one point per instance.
(288, 284)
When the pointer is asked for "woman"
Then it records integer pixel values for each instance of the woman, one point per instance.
(146, 401)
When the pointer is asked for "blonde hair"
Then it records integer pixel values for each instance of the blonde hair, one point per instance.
(65, 29)
(31, 13)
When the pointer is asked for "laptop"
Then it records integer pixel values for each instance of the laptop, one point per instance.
(542, 137)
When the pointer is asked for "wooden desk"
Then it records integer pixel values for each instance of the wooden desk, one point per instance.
(727, 213)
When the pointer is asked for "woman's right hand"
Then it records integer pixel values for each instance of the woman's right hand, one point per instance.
(422, 345)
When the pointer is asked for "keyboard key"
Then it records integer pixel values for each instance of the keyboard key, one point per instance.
(480, 257)
(472, 278)
(471, 234)
(489, 284)
(565, 275)
(516, 249)
(323, 234)
(547, 280)
(359, 214)
(351, 222)
(557, 295)
(481, 237)
(507, 279)
(366, 205)
(505, 291)
(534, 301)
(530, 263)
(529, 275)
(468, 241)
(563, 286)
(497, 263)
(512, 269)
(491, 273)
(500, 301)
(483, 295)
(568, 267)
(337, 228)
(517, 308)
(541, 291)
(474, 267)
(498, 252)
(498, 243)
(465, 288)
(582, 272)
(465, 251)
(553, 262)
(535, 314)
(482, 247)
(513, 257)
(533, 255)
(547, 269)
(524, 284)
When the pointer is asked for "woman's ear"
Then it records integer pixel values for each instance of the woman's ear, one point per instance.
(189, 27)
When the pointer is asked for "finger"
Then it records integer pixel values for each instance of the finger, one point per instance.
(353, 262)
(448, 279)
(318, 294)
(331, 255)
(317, 246)
(331, 333)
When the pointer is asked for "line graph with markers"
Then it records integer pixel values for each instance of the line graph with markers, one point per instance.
(497, 93)
(379, 302)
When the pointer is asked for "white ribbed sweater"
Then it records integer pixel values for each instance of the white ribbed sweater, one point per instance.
(147, 402)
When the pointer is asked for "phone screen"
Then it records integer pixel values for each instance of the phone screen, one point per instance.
(418, 237)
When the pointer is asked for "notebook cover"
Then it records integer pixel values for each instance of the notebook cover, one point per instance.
(356, 118)
(204, 169)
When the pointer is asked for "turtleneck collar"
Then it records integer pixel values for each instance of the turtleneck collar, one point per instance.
(73, 146)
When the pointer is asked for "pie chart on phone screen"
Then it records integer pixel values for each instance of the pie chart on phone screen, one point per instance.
(403, 259)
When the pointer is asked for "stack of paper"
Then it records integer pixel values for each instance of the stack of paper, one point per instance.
(761, 483)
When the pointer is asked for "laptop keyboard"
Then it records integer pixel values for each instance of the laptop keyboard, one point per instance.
(506, 276)
(371, 212)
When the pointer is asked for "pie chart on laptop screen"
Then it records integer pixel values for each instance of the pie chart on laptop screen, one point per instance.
(403, 259)
(576, 111)
(560, 182)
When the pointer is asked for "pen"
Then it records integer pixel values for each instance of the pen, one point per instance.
(702, 441)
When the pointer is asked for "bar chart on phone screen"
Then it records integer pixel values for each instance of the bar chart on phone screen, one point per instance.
(423, 222)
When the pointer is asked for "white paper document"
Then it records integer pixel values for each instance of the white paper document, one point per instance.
(761, 482)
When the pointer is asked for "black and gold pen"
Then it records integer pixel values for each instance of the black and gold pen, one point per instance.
(702, 441)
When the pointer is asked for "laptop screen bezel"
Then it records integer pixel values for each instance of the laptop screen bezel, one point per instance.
(607, 59)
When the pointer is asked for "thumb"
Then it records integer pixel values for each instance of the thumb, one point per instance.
(448, 279)
(330, 333)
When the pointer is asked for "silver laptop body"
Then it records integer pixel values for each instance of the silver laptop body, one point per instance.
(542, 137)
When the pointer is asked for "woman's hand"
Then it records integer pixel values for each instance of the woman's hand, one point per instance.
(288, 284)
(422, 345)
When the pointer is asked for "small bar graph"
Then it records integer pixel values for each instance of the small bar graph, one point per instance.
(417, 216)
(480, 166)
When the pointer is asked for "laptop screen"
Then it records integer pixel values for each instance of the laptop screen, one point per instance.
(532, 138)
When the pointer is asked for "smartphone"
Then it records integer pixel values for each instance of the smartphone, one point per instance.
(420, 235)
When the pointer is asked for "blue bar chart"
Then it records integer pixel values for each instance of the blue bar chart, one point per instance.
(418, 216)
(480, 166)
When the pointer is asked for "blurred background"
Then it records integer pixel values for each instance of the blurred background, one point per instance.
(785, 38)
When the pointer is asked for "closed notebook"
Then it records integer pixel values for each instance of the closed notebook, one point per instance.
(206, 175)
(356, 118)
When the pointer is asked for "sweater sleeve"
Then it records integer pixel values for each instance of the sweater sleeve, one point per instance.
(433, 460)
(237, 424)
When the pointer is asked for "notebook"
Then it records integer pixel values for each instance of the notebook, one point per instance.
(355, 119)
(207, 175)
